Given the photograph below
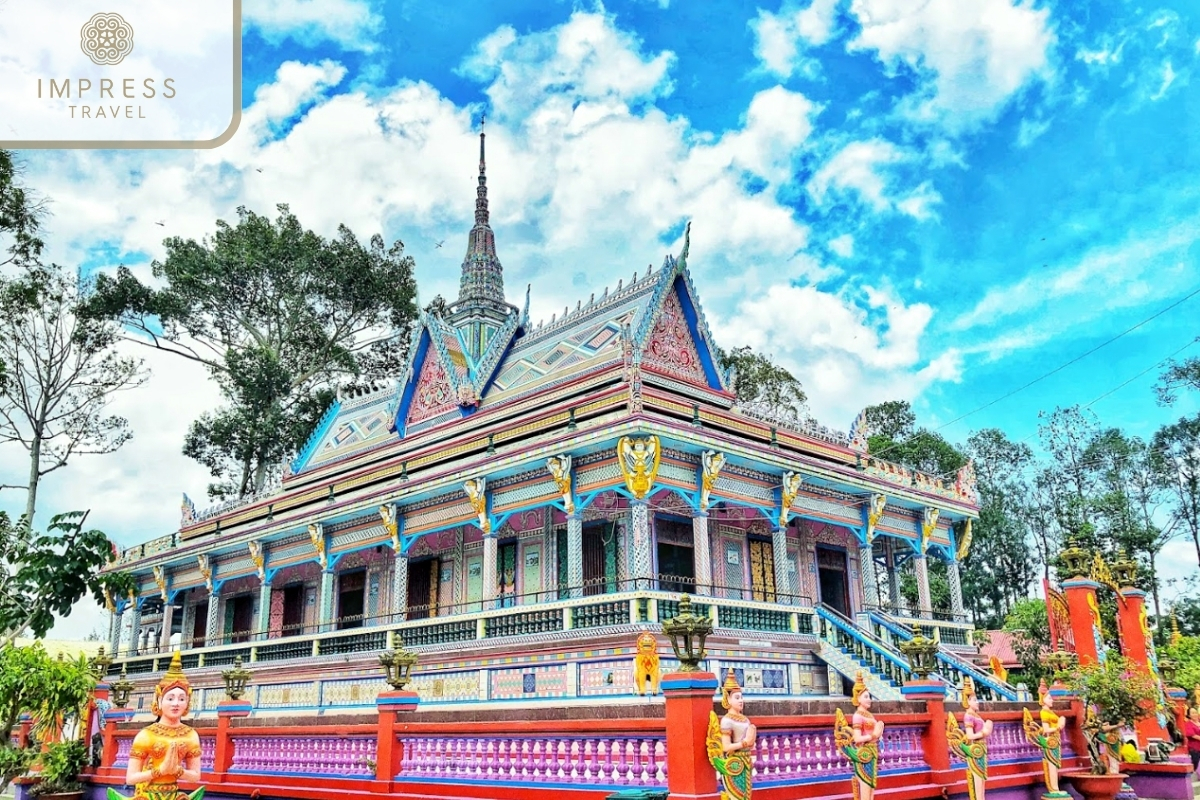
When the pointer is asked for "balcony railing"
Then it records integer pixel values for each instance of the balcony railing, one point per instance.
(465, 623)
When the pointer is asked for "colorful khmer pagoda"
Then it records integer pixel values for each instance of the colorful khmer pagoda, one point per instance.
(525, 501)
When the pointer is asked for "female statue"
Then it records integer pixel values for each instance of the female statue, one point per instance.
(859, 741)
(731, 742)
(1046, 735)
(970, 741)
(167, 751)
(1104, 742)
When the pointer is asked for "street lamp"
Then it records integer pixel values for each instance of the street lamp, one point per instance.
(687, 633)
(1124, 570)
(99, 664)
(121, 690)
(397, 666)
(236, 679)
(1167, 668)
(1076, 561)
(920, 651)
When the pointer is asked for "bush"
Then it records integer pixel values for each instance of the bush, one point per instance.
(1120, 692)
(61, 764)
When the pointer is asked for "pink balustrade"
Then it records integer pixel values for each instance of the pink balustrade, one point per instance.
(311, 755)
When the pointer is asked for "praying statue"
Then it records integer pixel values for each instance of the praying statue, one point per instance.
(167, 751)
(1046, 735)
(858, 741)
(731, 742)
(970, 741)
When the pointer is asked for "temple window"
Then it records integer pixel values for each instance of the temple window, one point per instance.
(293, 609)
(351, 597)
(599, 557)
(423, 584)
(832, 578)
(506, 573)
(676, 555)
(239, 618)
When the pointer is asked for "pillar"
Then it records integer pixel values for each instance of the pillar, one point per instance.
(212, 632)
(924, 600)
(135, 632)
(1085, 622)
(114, 631)
(400, 587)
(575, 554)
(326, 617)
(1137, 645)
(702, 554)
(641, 565)
(388, 750)
(168, 620)
(934, 740)
(689, 701)
(779, 557)
(954, 578)
(491, 581)
(893, 576)
(264, 609)
(870, 578)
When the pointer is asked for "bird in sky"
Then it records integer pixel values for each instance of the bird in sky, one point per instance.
(161, 222)
(439, 244)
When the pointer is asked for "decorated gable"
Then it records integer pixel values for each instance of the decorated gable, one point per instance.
(433, 395)
(670, 347)
(350, 427)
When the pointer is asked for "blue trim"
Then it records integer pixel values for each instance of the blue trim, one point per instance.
(300, 463)
(930, 690)
(690, 683)
(689, 314)
(418, 364)
(590, 787)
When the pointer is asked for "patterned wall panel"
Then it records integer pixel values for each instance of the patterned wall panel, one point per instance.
(527, 682)
(447, 687)
(606, 678)
(285, 695)
(352, 692)
(757, 677)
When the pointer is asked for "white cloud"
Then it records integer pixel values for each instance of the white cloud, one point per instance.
(1107, 55)
(779, 38)
(864, 168)
(353, 24)
(842, 245)
(1030, 130)
(975, 56)
(1168, 78)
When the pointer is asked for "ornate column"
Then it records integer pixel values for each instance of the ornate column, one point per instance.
(1137, 640)
(575, 554)
(639, 460)
(164, 638)
(893, 574)
(258, 554)
(779, 555)
(392, 522)
(870, 578)
(491, 580)
(956, 597)
(136, 629)
(924, 601)
(114, 629)
(212, 631)
(316, 534)
(1080, 590)
(702, 554)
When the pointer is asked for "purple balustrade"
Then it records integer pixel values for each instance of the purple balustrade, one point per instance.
(124, 745)
(208, 751)
(327, 756)
(785, 757)
(604, 761)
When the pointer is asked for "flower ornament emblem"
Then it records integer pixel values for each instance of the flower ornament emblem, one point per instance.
(106, 39)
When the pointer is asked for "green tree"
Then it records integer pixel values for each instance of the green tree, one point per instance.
(764, 386)
(1176, 456)
(1186, 655)
(279, 315)
(893, 436)
(20, 215)
(1030, 628)
(63, 371)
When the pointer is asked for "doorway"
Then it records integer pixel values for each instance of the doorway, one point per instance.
(832, 579)
(506, 572)
(762, 570)
(676, 553)
(240, 618)
(293, 609)
(200, 623)
(599, 558)
(352, 593)
(423, 588)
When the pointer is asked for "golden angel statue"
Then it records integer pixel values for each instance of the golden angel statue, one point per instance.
(730, 743)
(1046, 735)
(970, 741)
(167, 751)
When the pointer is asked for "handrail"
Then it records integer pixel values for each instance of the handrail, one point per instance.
(837, 620)
(1001, 688)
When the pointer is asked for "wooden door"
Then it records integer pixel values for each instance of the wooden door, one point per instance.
(762, 570)
(352, 593)
(423, 588)
(293, 609)
(242, 618)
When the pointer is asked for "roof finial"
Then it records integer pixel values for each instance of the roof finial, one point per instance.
(482, 275)
(687, 243)
(525, 312)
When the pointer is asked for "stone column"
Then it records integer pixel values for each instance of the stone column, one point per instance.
(702, 554)
(924, 601)
(187, 626)
(491, 581)
(893, 575)
(779, 558)
(264, 609)
(114, 631)
(212, 631)
(400, 587)
(135, 633)
(641, 566)
(870, 579)
(325, 621)
(168, 619)
(575, 554)
(1138, 646)
(956, 596)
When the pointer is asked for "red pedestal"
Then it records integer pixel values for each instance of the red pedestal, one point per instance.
(1135, 645)
(934, 741)
(1178, 699)
(388, 752)
(689, 701)
(223, 756)
(1081, 599)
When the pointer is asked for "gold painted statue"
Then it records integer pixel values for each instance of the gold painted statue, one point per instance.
(859, 741)
(970, 741)
(1046, 735)
(731, 743)
(646, 671)
(167, 751)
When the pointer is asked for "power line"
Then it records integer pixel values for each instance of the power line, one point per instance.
(1054, 371)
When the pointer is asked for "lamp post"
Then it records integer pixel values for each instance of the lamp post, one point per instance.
(99, 664)
(1076, 561)
(121, 690)
(236, 680)
(687, 633)
(397, 665)
(921, 652)
(1124, 570)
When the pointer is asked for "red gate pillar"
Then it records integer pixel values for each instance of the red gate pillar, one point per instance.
(1137, 645)
(388, 752)
(223, 750)
(689, 697)
(1085, 618)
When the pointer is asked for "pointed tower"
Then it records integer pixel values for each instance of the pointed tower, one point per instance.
(481, 308)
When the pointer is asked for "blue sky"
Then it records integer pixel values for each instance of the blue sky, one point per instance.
(921, 199)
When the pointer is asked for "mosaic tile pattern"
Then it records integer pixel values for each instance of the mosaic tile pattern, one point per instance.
(283, 695)
(607, 678)
(357, 691)
(513, 684)
(757, 677)
(447, 687)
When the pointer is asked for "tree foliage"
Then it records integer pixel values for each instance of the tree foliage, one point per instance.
(1175, 453)
(1030, 628)
(764, 386)
(63, 371)
(20, 215)
(893, 436)
(279, 315)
